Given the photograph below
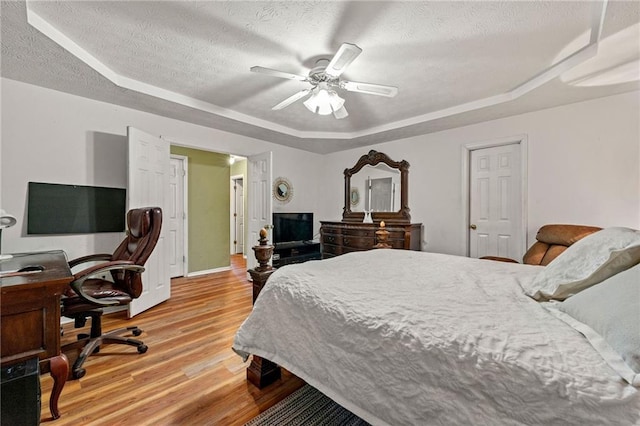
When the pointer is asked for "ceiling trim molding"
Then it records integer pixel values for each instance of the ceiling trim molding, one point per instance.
(40, 24)
(550, 73)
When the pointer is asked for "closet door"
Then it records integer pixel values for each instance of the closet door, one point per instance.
(495, 212)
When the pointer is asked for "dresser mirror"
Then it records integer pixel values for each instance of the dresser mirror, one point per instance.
(382, 185)
(380, 189)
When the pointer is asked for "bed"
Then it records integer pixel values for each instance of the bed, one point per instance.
(405, 338)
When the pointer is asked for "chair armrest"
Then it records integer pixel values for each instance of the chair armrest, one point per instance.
(89, 258)
(499, 259)
(83, 275)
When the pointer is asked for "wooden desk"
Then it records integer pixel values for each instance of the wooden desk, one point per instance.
(30, 315)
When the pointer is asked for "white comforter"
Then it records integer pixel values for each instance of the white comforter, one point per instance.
(402, 337)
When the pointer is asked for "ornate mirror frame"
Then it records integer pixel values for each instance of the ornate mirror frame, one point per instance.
(373, 158)
(282, 190)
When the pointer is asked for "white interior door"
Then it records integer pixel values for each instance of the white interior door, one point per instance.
(259, 199)
(495, 205)
(175, 216)
(239, 216)
(148, 185)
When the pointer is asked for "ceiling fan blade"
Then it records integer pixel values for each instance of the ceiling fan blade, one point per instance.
(276, 73)
(371, 89)
(340, 113)
(291, 99)
(344, 56)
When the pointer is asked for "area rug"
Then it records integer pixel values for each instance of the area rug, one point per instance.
(307, 406)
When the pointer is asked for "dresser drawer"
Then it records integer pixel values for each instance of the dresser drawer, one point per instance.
(370, 233)
(331, 238)
(365, 243)
(331, 249)
(396, 234)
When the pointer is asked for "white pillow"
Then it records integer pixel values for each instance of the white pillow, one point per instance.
(608, 314)
(587, 262)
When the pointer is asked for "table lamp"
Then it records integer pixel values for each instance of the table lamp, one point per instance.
(6, 221)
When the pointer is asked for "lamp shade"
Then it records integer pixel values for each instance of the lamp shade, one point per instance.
(6, 220)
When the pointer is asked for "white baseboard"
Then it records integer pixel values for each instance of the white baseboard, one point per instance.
(208, 271)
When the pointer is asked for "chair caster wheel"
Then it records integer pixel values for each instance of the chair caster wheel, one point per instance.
(79, 373)
(142, 348)
(137, 332)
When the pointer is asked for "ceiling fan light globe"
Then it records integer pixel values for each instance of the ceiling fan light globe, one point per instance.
(324, 102)
(323, 96)
(311, 104)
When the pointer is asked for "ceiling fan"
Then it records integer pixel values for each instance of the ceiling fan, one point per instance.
(324, 79)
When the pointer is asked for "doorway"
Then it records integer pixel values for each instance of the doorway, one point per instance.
(494, 179)
(237, 214)
(177, 215)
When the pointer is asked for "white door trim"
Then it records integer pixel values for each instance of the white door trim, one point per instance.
(466, 155)
(185, 210)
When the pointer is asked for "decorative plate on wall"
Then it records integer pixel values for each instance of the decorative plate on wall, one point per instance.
(282, 190)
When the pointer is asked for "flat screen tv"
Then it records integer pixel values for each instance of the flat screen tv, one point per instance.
(292, 227)
(74, 209)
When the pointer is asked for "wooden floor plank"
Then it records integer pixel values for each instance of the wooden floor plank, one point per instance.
(189, 376)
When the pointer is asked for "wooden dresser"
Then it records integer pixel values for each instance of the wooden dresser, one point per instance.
(338, 238)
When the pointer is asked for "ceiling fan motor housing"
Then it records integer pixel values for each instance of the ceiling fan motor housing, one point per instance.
(317, 73)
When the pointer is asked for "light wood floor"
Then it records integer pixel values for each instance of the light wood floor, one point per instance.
(189, 376)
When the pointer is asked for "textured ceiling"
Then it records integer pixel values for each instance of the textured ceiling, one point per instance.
(190, 60)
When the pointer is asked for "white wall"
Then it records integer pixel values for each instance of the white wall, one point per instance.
(49, 136)
(584, 163)
(583, 168)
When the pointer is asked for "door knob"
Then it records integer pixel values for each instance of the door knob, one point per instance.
(472, 226)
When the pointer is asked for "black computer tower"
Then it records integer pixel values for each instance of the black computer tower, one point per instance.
(20, 394)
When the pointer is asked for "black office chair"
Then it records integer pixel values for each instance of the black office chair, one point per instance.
(89, 293)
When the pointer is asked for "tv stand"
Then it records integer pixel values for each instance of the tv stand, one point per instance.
(295, 252)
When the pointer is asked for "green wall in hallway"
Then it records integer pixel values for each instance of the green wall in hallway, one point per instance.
(208, 208)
